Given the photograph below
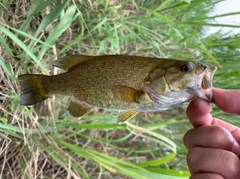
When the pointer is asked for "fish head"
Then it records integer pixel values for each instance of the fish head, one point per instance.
(192, 78)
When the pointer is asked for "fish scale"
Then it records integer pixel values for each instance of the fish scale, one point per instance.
(130, 84)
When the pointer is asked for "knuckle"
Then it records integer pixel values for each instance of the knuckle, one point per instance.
(187, 138)
(222, 137)
(193, 155)
(232, 163)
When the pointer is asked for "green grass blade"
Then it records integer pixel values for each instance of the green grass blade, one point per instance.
(115, 165)
(94, 146)
(24, 34)
(158, 161)
(163, 4)
(5, 45)
(132, 33)
(27, 50)
(160, 16)
(50, 17)
(99, 25)
(78, 38)
(210, 56)
(11, 130)
(196, 23)
(7, 69)
(217, 16)
(95, 126)
(57, 156)
(159, 138)
(167, 171)
(65, 22)
(36, 7)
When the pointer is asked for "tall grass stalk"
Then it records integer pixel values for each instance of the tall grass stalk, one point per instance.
(47, 141)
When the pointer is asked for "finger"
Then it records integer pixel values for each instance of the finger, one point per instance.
(208, 160)
(198, 112)
(234, 130)
(227, 100)
(206, 176)
(211, 137)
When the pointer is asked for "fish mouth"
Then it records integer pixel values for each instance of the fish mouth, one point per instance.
(205, 84)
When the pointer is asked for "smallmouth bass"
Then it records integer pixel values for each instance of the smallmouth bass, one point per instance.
(129, 84)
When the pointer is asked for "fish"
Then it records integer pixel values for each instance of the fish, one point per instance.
(128, 84)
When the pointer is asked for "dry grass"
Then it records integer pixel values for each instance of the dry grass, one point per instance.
(29, 136)
(21, 158)
(27, 150)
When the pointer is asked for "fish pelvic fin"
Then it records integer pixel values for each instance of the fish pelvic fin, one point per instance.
(125, 116)
(32, 90)
(68, 62)
(77, 109)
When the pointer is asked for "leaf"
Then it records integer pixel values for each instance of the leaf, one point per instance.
(36, 7)
(5, 45)
(48, 19)
(65, 22)
(24, 47)
(78, 38)
(113, 164)
(7, 69)
(160, 16)
(158, 161)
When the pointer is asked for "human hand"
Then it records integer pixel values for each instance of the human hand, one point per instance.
(213, 144)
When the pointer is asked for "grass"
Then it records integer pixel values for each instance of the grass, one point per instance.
(43, 141)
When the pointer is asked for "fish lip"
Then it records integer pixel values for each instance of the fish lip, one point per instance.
(205, 84)
(207, 78)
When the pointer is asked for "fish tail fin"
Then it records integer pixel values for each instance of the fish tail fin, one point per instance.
(32, 89)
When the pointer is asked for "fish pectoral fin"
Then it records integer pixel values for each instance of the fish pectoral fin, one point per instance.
(68, 62)
(77, 109)
(126, 93)
(144, 98)
(125, 116)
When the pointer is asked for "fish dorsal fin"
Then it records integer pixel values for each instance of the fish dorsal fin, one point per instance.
(126, 116)
(77, 109)
(68, 62)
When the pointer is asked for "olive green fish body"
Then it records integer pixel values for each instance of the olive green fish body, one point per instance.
(126, 83)
(95, 81)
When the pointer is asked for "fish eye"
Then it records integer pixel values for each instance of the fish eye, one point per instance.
(186, 68)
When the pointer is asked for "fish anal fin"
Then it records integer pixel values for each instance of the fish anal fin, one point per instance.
(77, 109)
(126, 116)
(68, 62)
(126, 93)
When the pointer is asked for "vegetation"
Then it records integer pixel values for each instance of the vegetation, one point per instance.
(44, 141)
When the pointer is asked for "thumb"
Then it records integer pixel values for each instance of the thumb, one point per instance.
(227, 100)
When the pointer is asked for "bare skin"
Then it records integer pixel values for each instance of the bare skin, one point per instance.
(214, 145)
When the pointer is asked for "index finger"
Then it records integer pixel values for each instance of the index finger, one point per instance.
(199, 110)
